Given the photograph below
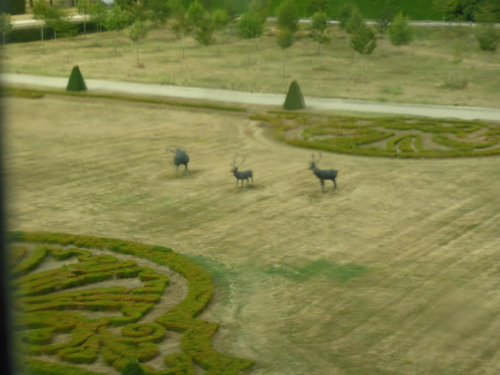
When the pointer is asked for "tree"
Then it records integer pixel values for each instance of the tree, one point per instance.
(345, 13)
(220, 19)
(251, 26)
(159, 10)
(315, 6)
(117, 19)
(137, 32)
(287, 16)
(98, 13)
(181, 24)
(319, 25)
(58, 20)
(196, 13)
(260, 7)
(460, 10)
(5, 25)
(83, 8)
(39, 10)
(354, 22)
(400, 32)
(285, 38)
(386, 17)
(364, 41)
(205, 31)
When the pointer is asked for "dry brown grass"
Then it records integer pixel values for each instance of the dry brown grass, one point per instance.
(426, 231)
(413, 74)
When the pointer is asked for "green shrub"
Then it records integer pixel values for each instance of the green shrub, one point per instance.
(400, 32)
(76, 82)
(455, 81)
(488, 37)
(133, 368)
(294, 99)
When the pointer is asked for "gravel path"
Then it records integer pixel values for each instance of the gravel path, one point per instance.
(239, 97)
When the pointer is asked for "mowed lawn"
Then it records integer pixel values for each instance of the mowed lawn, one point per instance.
(395, 272)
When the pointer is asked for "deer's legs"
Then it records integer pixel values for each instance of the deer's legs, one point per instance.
(322, 185)
(334, 184)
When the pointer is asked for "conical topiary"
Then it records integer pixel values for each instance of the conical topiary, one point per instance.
(76, 82)
(133, 368)
(294, 98)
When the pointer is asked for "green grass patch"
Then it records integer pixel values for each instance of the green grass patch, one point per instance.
(319, 268)
(38, 93)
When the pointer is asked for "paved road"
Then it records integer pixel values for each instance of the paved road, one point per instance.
(239, 97)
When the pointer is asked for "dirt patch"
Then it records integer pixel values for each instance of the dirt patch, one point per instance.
(424, 231)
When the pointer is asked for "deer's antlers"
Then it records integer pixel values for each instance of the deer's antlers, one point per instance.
(313, 158)
(235, 157)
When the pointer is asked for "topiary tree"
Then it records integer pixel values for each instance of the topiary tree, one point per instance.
(76, 82)
(400, 32)
(133, 368)
(294, 99)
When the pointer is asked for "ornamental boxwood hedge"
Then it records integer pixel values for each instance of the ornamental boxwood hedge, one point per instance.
(403, 136)
(44, 315)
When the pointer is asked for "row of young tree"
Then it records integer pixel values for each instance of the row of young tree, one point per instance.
(191, 17)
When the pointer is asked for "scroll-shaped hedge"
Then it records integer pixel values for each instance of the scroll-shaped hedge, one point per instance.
(137, 340)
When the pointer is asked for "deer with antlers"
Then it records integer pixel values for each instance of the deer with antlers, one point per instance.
(180, 158)
(240, 175)
(323, 174)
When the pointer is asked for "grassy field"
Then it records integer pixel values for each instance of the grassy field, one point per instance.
(395, 272)
(431, 70)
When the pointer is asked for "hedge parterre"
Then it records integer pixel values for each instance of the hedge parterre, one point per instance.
(51, 304)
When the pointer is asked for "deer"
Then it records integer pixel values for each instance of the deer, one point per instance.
(323, 174)
(240, 175)
(180, 157)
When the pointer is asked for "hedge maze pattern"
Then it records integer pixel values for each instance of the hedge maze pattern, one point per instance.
(391, 137)
(56, 303)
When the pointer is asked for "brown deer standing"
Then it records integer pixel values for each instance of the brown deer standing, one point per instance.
(243, 175)
(323, 174)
